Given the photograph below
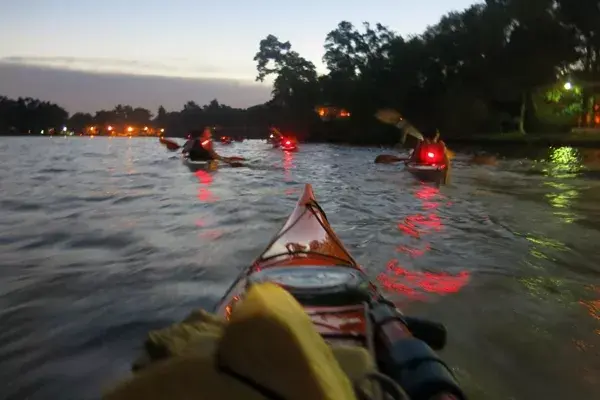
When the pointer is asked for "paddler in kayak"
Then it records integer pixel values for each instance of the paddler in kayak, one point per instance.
(200, 147)
(275, 137)
(394, 118)
(430, 150)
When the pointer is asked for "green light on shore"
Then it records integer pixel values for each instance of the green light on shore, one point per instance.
(568, 86)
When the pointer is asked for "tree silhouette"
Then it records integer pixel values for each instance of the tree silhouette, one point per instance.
(496, 66)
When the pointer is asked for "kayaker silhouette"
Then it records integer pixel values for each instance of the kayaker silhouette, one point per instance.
(200, 146)
(430, 150)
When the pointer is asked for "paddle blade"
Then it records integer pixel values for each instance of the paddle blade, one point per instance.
(388, 116)
(276, 132)
(170, 145)
(236, 158)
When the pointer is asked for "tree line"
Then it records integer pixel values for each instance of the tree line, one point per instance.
(34, 116)
(497, 66)
(500, 65)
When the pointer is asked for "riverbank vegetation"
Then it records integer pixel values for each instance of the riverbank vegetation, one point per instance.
(501, 66)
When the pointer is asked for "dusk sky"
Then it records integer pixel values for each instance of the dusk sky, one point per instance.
(92, 54)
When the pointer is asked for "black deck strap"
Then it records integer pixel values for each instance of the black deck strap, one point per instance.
(410, 353)
(383, 313)
(419, 370)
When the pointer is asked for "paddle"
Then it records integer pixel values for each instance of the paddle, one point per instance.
(169, 144)
(276, 131)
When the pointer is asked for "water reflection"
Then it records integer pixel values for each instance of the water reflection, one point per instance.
(129, 161)
(562, 199)
(288, 165)
(564, 163)
(566, 160)
(210, 234)
(205, 179)
(414, 284)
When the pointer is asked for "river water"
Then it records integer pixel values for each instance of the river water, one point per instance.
(102, 240)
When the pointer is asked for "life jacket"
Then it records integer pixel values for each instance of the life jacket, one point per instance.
(431, 153)
(198, 150)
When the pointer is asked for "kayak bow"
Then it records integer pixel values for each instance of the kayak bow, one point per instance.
(308, 260)
(369, 337)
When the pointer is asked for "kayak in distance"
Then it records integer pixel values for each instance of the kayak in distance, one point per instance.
(301, 321)
(279, 140)
(288, 144)
(225, 140)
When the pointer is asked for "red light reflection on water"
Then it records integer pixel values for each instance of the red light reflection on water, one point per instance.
(288, 159)
(204, 194)
(414, 284)
(288, 164)
(427, 193)
(210, 234)
(413, 252)
(418, 225)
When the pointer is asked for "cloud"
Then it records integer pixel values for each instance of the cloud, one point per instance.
(88, 91)
(170, 67)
